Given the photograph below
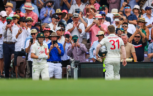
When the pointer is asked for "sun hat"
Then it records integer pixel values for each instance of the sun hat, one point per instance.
(28, 6)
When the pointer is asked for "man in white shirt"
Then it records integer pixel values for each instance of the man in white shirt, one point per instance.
(47, 32)
(113, 44)
(29, 44)
(19, 36)
(54, 22)
(76, 28)
(79, 5)
(9, 9)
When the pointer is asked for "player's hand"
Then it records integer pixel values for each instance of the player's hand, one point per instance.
(93, 59)
(124, 63)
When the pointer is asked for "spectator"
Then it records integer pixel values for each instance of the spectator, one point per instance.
(104, 17)
(130, 50)
(54, 22)
(110, 15)
(144, 4)
(59, 13)
(125, 27)
(60, 24)
(93, 3)
(79, 5)
(40, 54)
(47, 32)
(150, 51)
(19, 36)
(117, 23)
(29, 22)
(92, 50)
(139, 44)
(33, 6)
(65, 58)
(65, 17)
(76, 28)
(18, 12)
(38, 26)
(43, 25)
(130, 2)
(61, 38)
(121, 13)
(16, 20)
(8, 44)
(39, 3)
(9, 9)
(47, 11)
(55, 52)
(149, 19)
(29, 13)
(136, 11)
(29, 44)
(2, 24)
(77, 50)
(66, 4)
(127, 12)
(96, 26)
(113, 4)
(82, 19)
(120, 31)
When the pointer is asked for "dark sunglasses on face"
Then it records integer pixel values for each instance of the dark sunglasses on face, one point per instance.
(6, 7)
(124, 26)
(14, 18)
(137, 36)
(33, 33)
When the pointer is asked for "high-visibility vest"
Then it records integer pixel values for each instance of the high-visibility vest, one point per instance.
(104, 70)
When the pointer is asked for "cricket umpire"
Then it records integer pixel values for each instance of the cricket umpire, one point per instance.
(55, 52)
(40, 54)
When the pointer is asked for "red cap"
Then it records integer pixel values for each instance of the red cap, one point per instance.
(64, 11)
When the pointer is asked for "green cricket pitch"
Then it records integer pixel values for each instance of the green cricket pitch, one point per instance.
(80, 87)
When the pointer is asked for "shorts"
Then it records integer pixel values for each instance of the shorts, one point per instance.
(65, 63)
(55, 69)
(1, 51)
(112, 67)
(38, 70)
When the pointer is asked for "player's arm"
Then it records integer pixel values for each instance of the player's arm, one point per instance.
(97, 50)
(34, 56)
(123, 55)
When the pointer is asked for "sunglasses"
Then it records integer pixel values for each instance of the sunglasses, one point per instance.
(29, 21)
(124, 26)
(17, 11)
(33, 33)
(14, 18)
(58, 18)
(137, 36)
(103, 15)
(6, 7)
(127, 7)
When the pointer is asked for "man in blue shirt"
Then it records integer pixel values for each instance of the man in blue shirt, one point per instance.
(33, 5)
(131, 17)
(92, 50)
(46, 12)
(55, 52)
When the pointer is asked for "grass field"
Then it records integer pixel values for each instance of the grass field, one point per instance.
(81, 87)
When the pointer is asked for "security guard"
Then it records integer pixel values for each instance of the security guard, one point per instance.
(40, 54)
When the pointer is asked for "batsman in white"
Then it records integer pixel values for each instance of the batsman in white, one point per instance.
(40, 54)
(114, 44)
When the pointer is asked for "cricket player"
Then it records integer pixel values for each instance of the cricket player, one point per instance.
(114, 44)
(40, 54)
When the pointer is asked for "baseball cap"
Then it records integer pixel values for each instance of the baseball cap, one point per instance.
(74, 37)
(3, 13)
(16, 16)
(33, 31)
(136, 7)
(9, 18)
(147, 8)
(64, 11)
(98, 16)
(67, 32)
(55, 16)
(75, 15)
(58, 28)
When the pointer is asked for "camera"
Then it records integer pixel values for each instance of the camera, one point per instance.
(54, 42)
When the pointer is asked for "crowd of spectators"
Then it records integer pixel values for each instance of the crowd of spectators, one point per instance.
(77, 26)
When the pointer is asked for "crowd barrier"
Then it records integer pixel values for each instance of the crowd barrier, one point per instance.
(133, 69)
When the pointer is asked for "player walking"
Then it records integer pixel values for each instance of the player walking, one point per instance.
(114, 44)
(40, 54)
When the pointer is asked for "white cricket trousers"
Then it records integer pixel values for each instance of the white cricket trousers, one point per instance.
(40, 69)
(55, 69)
(112, 66)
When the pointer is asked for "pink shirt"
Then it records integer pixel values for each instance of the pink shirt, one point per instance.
(34, 16)
(94, 31)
